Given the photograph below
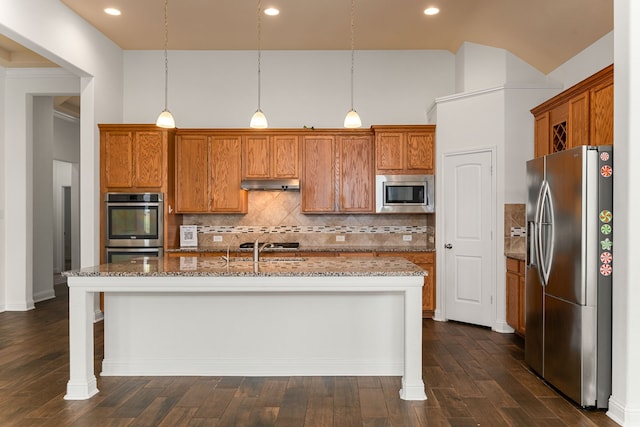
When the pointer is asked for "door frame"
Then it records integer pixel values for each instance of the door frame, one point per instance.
(440, 313)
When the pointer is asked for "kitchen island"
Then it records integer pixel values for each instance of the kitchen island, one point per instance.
(209, 316)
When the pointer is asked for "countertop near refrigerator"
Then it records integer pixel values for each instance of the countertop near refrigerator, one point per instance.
(520, 256)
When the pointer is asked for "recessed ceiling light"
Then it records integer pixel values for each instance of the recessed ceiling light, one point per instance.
(431, 11)
(112, 11)
(271, 11)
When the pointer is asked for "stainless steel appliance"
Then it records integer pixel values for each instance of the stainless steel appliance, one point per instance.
(133, 219)
(568, 275)
(131, 254)
(133, 226)
(405, 193)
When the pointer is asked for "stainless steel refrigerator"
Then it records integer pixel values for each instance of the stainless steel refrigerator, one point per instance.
(568, 275)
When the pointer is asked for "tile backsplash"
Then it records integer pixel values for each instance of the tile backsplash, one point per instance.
(275, 216)
(515, 228)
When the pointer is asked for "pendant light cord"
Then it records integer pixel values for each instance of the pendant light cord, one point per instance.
(166, 56)
(258, 29)
(353, 45)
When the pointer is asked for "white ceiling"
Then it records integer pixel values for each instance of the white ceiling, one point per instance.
(544, 33)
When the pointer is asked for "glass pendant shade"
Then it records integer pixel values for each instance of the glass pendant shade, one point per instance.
(165, 120)
(352, 120)
(258, 121)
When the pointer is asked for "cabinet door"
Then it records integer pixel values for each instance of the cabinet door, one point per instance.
(513, 300)
(356, 179)
(256, 157)
(390, 148)
(521, 307)
(578, 126)
(192, 190)
(601, 130)
(118, 159)
(318, 183)
(429, 289)
(225, 162)
(149, 159)
(419, 152)
(286, 156)
(541, 135)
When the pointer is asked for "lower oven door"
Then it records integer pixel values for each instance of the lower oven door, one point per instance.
(132, 255)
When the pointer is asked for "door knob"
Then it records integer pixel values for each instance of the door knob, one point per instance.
(448, 246)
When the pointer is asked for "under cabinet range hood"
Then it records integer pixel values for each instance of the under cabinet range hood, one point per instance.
(271, 184)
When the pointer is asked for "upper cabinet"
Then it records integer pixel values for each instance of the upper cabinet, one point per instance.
(267, 156)
(581, 115)
(338, 173)
(208, 173)
(404, 150)
(134, 157)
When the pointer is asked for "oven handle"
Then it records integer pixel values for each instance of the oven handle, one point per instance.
(135, 204)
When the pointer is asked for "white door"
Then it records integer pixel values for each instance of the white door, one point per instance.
(468, 256)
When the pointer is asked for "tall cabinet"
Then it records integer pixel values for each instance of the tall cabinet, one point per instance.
(139, 158)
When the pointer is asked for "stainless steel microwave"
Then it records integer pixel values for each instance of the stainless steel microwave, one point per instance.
(405, 194)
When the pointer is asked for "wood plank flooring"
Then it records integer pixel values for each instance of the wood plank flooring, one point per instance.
(474, 377)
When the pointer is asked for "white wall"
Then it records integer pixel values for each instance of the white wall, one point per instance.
(49, 28)
(492, 113)
(3, 287)
(624, 405)
(219, 89)
(42, 198)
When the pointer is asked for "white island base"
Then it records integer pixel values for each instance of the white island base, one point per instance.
(249, 326)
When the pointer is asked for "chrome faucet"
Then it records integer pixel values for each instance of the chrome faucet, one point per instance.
(257, 249)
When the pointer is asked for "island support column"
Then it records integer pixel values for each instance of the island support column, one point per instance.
(82, 380)
(412, 384)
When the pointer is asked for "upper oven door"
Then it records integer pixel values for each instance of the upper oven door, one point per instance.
(134, 223)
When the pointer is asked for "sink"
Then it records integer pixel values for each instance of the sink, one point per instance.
(272, 245)
(267, 259)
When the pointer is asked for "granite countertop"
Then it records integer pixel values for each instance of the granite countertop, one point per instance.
(520, 256)
(363, 249)
(242, 267)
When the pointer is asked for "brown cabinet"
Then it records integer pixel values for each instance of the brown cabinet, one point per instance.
(404, 150)
(270, 156)
(132, 159)
(337, 173)
(580, 115)
(318, 191)
(515, 295)
(139, 158)
(426, 261)
(208, 173)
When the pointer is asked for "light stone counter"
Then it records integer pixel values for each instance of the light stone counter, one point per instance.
(244, 266)
(294, 317)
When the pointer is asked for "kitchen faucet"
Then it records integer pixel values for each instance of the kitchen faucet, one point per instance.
(257, 249)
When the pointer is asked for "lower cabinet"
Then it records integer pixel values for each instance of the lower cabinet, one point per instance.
(515, 295)
(426, 261)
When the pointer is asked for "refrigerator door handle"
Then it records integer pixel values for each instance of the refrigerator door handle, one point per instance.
(545, 234)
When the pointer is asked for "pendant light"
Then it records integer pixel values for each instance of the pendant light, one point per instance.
(259, 121)
(165, 119)
(352, 120)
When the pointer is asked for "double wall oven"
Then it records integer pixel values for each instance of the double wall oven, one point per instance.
(134, 226)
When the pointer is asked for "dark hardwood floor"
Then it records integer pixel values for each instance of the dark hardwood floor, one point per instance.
(474, 377)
